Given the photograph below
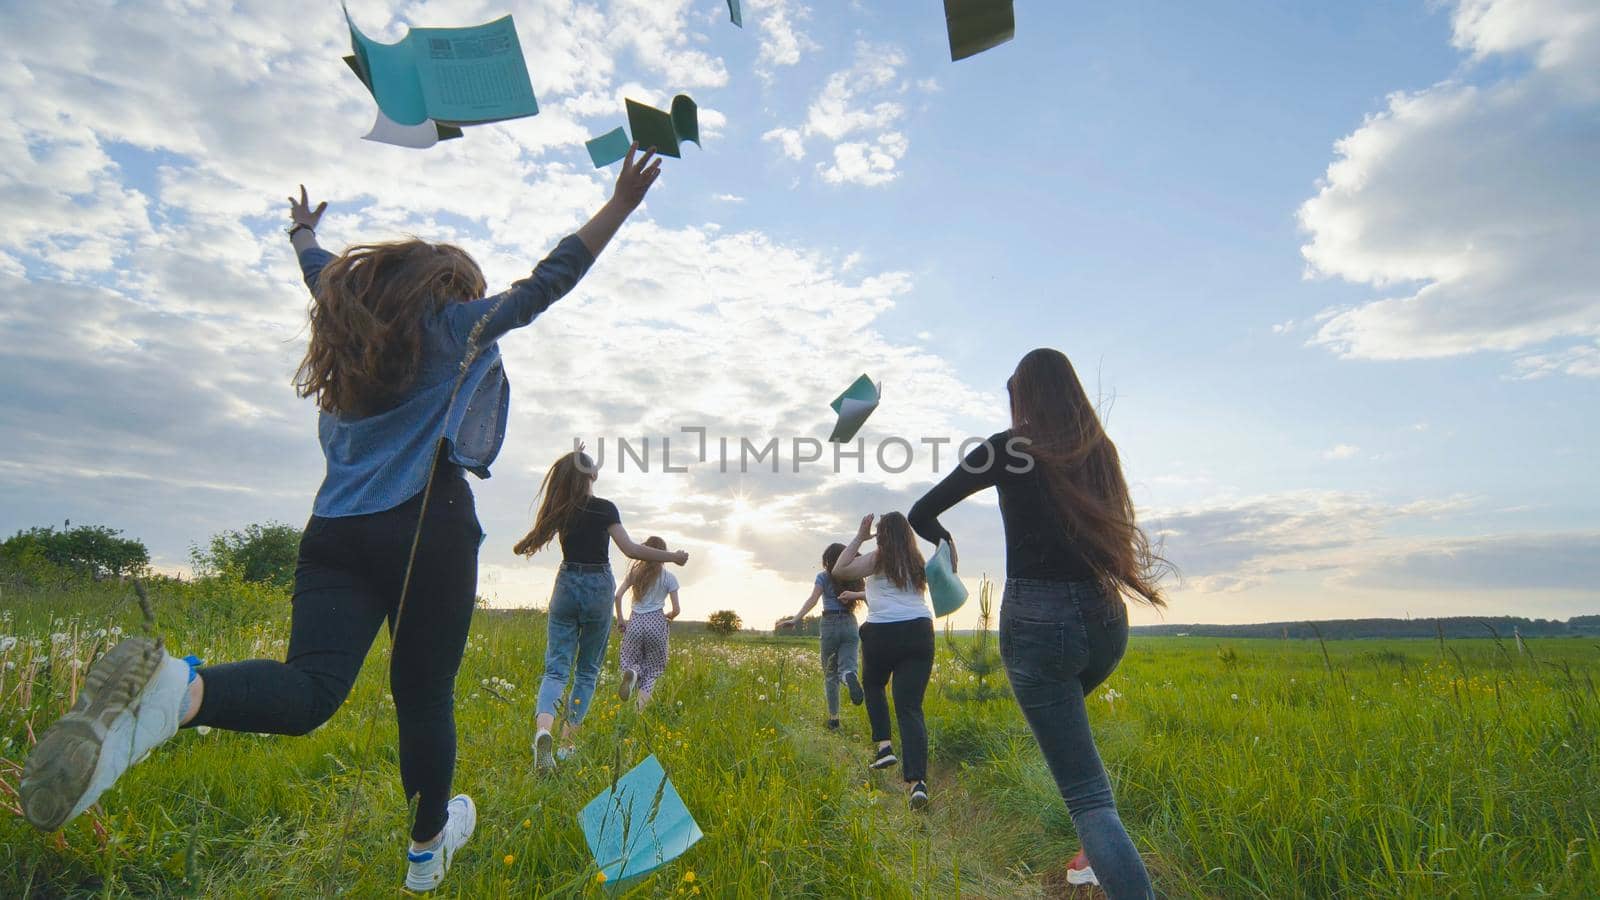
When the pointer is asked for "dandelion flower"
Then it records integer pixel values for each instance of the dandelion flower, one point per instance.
(600, 877)
(509, 859)
(1235, 698)
(689, 876)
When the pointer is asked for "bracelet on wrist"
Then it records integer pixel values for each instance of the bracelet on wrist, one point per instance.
(299, 226)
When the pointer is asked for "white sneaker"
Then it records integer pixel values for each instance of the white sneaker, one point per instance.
(1078, 871)
(630, 677)
(129, 704)
(427, 867)
(543, 758)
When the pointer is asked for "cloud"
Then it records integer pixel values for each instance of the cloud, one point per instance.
(1560, 561)
(855, 110)
(782, 41)
(1474, 207)
(1341, 451)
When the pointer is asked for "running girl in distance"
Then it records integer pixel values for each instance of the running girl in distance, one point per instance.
(896, 643)
(644, 633)
(580, 603)
(841, 644)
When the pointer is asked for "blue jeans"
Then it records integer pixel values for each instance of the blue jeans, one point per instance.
(580, 625)
(1059, 640)
(840, 645)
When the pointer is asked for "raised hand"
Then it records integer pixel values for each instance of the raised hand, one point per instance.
(865, 531)
(301, 213)
(681, 558)
(635, 179)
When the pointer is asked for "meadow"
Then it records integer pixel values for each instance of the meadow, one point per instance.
(1244, 768)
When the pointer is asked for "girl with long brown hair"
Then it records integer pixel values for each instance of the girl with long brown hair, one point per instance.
(405, 372)
(643, 657)
(840, 642)
(896, 643)
(579, 621)
(1073, 550)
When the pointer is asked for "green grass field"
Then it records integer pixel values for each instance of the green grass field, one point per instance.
(1243, 769)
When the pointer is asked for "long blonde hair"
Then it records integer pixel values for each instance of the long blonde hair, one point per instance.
(646, 572)
(899, 560)
(367, 319)
(1083, 474)
(566, 488)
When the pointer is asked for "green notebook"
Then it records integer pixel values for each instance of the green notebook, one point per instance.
(734, 14)
(457, 76)
(853, 407)
(977, 25)
(665, 131)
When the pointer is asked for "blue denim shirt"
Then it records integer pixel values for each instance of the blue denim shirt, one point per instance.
(378, 462)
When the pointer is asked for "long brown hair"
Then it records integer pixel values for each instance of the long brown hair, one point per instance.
(646, 572)
(1083, 474)
(566, 489)
(899, 560)
(367, 318)
(829, 557)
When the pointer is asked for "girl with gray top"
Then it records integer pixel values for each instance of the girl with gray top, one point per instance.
(840, 642)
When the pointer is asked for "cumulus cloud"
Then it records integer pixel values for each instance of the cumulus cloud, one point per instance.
(782, 41)
(857, 111)
(1341, 451)
(1474, 207)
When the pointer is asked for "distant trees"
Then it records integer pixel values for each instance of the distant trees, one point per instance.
(93, 550)
(724, 622)
(261, 552)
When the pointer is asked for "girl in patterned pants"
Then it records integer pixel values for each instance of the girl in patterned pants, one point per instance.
(644, 633)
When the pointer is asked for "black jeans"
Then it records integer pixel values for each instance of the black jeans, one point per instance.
(1059, 641)
(903, 650)
(346, 584)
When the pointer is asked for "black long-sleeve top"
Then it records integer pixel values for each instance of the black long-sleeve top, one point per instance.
(1036, 541)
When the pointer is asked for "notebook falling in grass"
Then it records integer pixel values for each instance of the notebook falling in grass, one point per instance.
(945, 587)
(453, 76)
(665, 131)
(853, 407)
(978, 25)
(638, 825)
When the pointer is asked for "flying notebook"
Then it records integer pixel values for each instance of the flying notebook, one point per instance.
(853, 407)
(639, 825)
(733, 13)
(386, 130)
(608, 148)
(944, 586)
(665, 131)
(454, 76)
(977, 25)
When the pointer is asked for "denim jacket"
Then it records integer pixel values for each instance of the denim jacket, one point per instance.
(380, 461)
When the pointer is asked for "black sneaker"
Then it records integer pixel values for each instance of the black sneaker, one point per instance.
(854, 684)
(884, 759)
(833, 724)
(919, 795)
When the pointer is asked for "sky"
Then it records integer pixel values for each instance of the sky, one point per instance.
(1328, 269)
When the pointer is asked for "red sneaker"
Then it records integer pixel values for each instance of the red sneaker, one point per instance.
(1078, 871)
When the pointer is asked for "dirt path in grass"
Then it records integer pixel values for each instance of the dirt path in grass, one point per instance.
(961, 846)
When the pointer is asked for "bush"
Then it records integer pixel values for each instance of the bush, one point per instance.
(724, 622)
(264, 553)
(93, 550)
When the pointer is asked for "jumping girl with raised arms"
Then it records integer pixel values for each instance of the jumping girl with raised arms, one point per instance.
(644, 632)
(840, 642)
(896, 643)
(580, 604)
(392, 326)
(1073, 550)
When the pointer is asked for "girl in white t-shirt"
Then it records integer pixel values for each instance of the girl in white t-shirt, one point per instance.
(644, 634)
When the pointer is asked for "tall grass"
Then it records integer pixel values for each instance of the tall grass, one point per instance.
(1275, 769)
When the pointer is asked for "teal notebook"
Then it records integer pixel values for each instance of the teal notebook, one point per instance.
(388, 131)
(608, 148)
(638, 825)
(665, 131)
(944, 586)
(456, 76)
(853, 407)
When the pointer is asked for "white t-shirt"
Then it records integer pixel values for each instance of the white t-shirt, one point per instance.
(656, 596)
(887, 603)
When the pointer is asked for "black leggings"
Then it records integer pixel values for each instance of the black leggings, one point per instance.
(903, 650)
(346, 584)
